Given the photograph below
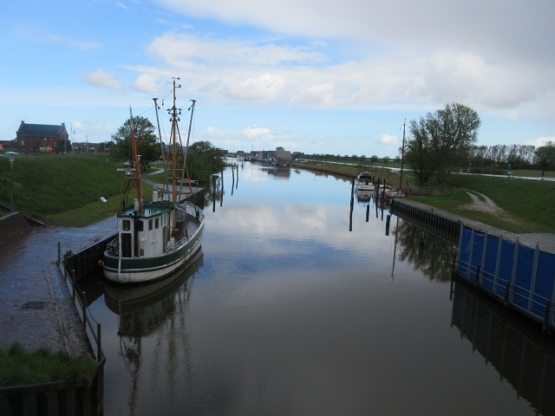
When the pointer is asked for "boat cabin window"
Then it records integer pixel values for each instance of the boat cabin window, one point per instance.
(126, 245)
(150, 224)
(139, 225)
(126, 226)
(156, 223)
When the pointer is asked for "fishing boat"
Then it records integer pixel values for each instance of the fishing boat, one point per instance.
(155, 238)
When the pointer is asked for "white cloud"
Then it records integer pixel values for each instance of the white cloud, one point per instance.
(183, 50)
(146, 83)
(224, 70)
(541, 141)
(101, 78)
(317, 94)
(388, 139)
(503, 28)
(263, 88)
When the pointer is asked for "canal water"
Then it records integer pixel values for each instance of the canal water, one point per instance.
(299, 306)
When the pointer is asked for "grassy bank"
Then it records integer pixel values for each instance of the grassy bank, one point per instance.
(350, 171)
(64, 189)
(528, 204)
(19, 367)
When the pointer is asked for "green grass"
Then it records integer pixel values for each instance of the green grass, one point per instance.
(50, 184)
(530, 202)
(19, 367)
(64, 189)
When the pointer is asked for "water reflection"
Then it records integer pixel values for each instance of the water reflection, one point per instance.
(283, 173)
(158, 310)
(429, 254)
(512, 344)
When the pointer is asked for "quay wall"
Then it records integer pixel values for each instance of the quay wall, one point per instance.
(428, 220)
(508, 267)
(519, 276)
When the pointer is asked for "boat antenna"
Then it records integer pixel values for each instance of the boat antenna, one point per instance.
(402, 157)
(160, 138)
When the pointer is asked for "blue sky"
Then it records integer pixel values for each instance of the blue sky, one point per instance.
(324, 76)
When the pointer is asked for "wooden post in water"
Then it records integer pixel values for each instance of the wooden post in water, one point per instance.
(387, 224)
(367, 212)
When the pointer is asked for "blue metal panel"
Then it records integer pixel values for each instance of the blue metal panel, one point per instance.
(477, 251)
(545, 278)
(490, 262)
(523, 276)
(506, 267)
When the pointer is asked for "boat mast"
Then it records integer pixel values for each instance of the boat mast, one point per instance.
(402, 159)
(174, 118)
(192, 108)
(135, 163)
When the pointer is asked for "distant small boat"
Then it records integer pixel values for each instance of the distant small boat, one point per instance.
(388, 192)
(364, 182)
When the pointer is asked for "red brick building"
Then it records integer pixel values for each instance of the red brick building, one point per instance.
(45, 138)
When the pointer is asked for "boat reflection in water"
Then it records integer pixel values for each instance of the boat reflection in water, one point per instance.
(142, 308)
(514, 345)
(153, 311)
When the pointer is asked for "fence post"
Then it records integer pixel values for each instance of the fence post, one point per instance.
(460, 244)
(84, 310)
(498, 263)
(507, 292)
(98, 342)
(484, 253)
(470, 253)
(72, 276)
(533, 280)
(546, 316)
(515, 262)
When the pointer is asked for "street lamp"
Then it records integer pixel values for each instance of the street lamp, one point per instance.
(11, 156)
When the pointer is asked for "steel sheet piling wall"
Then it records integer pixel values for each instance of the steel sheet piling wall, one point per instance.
(429, 221)
(521, 276)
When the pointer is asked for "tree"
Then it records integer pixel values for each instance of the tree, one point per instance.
(544, 157)
(147, 145)
(441, 141)
(203, 160)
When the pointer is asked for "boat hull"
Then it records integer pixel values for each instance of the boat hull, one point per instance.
(137, 270)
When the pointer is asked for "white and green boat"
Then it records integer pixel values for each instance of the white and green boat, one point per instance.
(154, 239)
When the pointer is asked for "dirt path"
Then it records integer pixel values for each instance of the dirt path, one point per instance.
(481, 202)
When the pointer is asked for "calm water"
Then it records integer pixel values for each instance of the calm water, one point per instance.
(287, 312)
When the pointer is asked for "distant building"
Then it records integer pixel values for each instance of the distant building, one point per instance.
(45, 138)
(283, 158)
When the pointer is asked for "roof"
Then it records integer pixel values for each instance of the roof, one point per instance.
(40, 130)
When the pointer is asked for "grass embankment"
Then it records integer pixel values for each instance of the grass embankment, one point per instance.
(64, 189)
(18, 367)
(528, 204)
(351, 171)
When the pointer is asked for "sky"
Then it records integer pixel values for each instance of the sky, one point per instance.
(327, 76)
